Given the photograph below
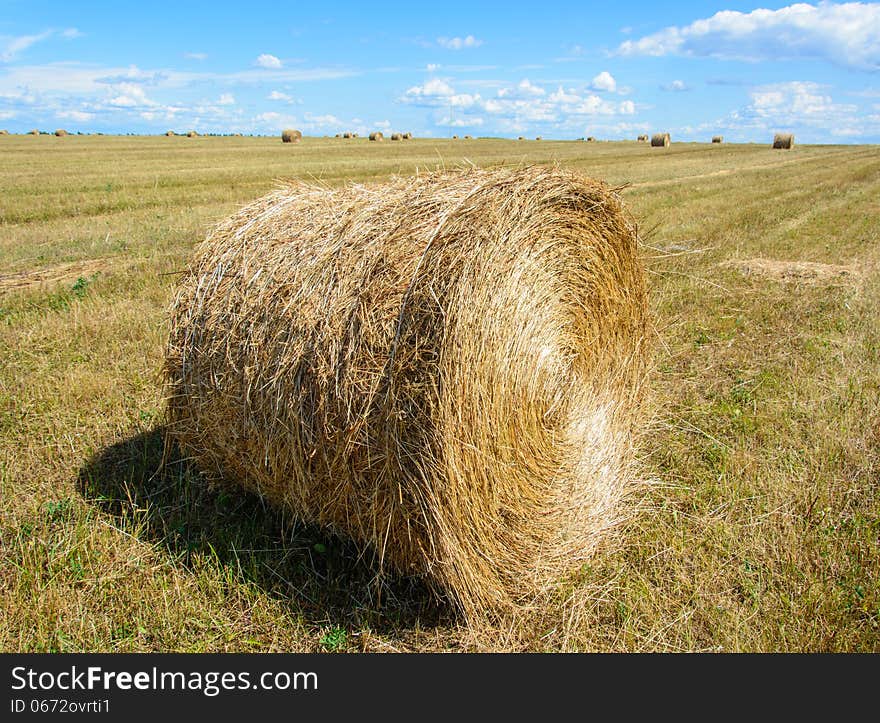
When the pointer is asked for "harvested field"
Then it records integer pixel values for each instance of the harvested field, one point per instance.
(757, 527)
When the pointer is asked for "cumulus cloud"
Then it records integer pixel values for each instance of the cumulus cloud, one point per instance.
(433, 88)
(226, 99)
(469, 41)
(604, 82)
(268, 61)
(130, 95)
(847, 34)
(676, 86)
(515, 106)
(278, 95)
(804, 107)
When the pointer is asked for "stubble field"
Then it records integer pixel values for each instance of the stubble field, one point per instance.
(759, 526)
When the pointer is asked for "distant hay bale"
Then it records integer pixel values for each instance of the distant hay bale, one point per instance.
(377, 136)
(291, 135)
(717, 139)
(539, 138)
(4, 133)
(338, 135)
(455, 138)
(354, 135)
(61, 133)
(396, 137)
(192, 134)
(642, 138)
(591, 139)
(660, 140)
(407, 136)
(33, 132)
(468, 138)
(521, 138)
(445, 368)
(346, 135)
(169, 133)
(783, 140)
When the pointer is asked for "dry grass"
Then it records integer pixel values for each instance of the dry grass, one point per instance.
(758, 530)
(445, 367)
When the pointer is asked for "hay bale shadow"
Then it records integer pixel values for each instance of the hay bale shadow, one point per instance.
(322, 577)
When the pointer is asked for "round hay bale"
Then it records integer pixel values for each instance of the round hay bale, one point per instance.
(642, 138)
(396, 137)
(354, 135)
(192, 134)
(33, 132)
(338, 135)
(346, 135)
(660, 140)
(377, 136)
(591, 139)
(407, 136)
(455, 138)
(61, 133)
(468, 138)
(539, 138)
(291, 135)
(4, 132)
(446, 368)
(169, 133)
(783, 140)
(521, 138)
(717, 139)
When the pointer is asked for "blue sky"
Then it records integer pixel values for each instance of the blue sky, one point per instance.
(557, 69)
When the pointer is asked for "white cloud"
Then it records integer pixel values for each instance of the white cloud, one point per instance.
(226, 99)
(561, 96)
(432, 67)
(196, 56)
(13, 46)
(604, 82)
(469, 41)
(433, 88)
(847, 34)
(676, 86)
(268, 117)
(515, 107)
(268, 61)
(470, 122)
(803, 107)
(130, 95)
(75, 115)
(528, 88)
(278, 95)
